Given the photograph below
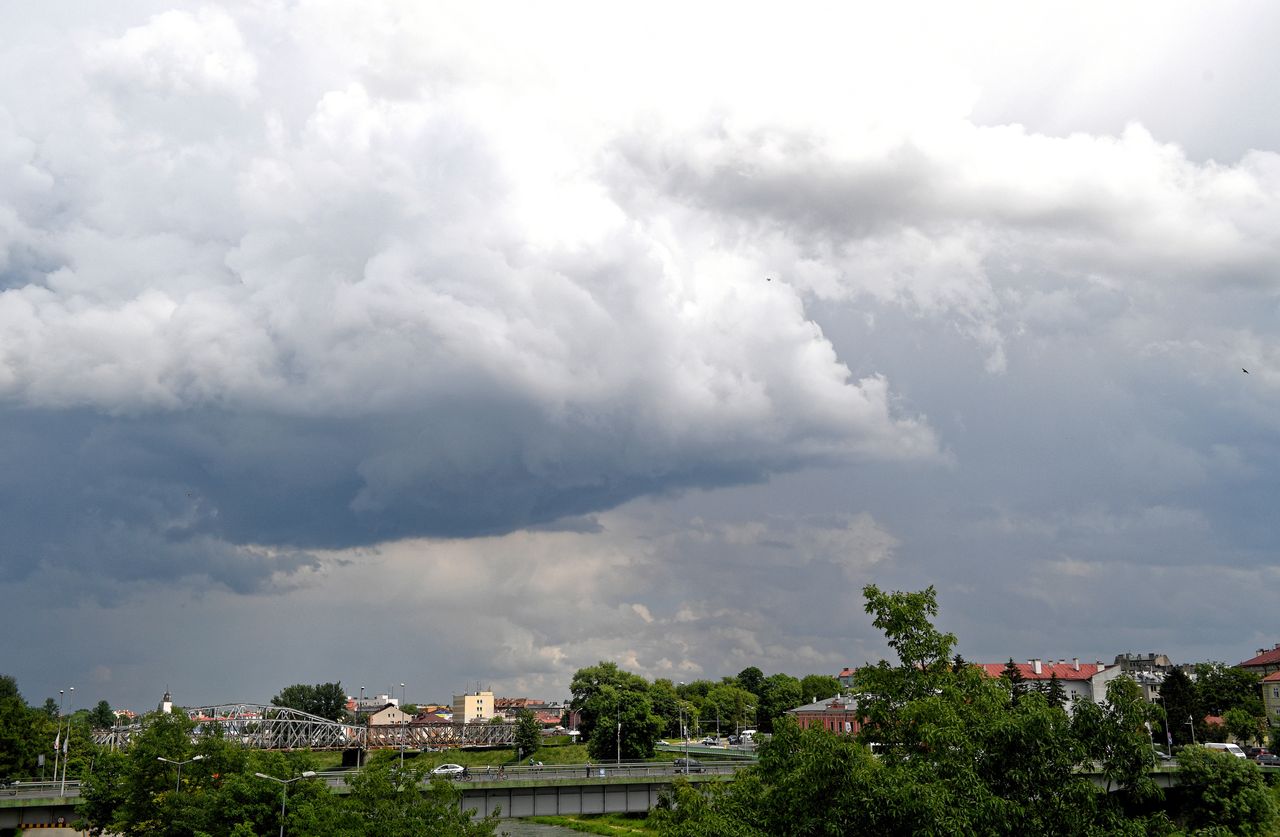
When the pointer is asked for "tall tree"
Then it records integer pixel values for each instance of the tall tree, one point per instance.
(326, 700)
(1116, 738)
(25, 733)
(101, 717)
(815, 687)
(614, 710)
(751, 679)
(1056, 694)
(778, 693)
(528, 732)
(729, 707)
(1221, 687)
(1180, 706)
(666, 705)
(1012, 675)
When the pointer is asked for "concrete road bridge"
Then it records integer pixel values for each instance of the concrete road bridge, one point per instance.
(266, 727)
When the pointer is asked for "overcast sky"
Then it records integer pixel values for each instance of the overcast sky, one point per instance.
(456, 345)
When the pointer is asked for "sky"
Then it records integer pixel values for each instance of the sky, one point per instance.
(465, 346)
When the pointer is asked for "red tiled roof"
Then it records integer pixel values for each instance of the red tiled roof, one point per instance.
(1066, 671)
(1273, 677)
(1266, 658)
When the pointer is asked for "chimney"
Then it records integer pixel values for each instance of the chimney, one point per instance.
(1062, 662)
(1075, 663)
(1035, 665)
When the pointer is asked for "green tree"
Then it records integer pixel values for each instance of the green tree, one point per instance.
(1180, 706)
(1012, 675)
(666, 705)
(325, 700)
(25, 733)
(778, 693)
(815, 687)
(528, 732)
(1056, 693)
(1115, 738)
(751, 679)
(386, 801)
(1221, 687)
(605, 697)
(729, 707)
(102, 717)
(1244, 727)
(1220, 794)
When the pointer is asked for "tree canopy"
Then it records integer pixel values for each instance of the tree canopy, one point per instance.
(326, 700)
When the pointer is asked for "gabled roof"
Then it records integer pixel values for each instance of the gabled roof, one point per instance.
(1273, 677)
(1065, 671)
(1266, 658)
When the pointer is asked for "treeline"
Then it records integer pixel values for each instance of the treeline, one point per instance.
(219, 792)
(28, 734)
(947, 750)
(620, 714)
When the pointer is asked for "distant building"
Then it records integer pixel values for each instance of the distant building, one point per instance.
(363, 705)
(1271, 697)
(837, 714)
(846, 677)
(1131, 663)
(1266, 662)
(473, 707)
(1080, 681)
(166, 703)
(389, 715)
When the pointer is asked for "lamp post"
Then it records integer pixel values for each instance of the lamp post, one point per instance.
(617, 745)
(178, 784)
(57, 740)
(1191, 723)
(683, 734)
(66, 743)
(284, 789)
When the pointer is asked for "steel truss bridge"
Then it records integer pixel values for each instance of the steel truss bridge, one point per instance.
(280, 728)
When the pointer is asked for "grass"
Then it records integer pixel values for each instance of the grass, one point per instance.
(608, 825)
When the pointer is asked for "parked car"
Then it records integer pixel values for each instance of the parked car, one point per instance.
(448, 770)
(688, 766)
(1267, 760)
(1254, 752)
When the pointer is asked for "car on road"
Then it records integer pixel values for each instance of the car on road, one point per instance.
(710, 742)
(688, 766)
(1266, 760)
(448, 769)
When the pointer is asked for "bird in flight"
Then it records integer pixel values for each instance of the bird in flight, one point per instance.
(1245, 371)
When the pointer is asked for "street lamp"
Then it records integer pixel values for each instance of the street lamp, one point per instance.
(178, 784)
(284, 788)
(680, 708)
(57, 740)
(66, 742)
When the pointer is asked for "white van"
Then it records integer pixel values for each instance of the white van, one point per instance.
(1233, 749)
